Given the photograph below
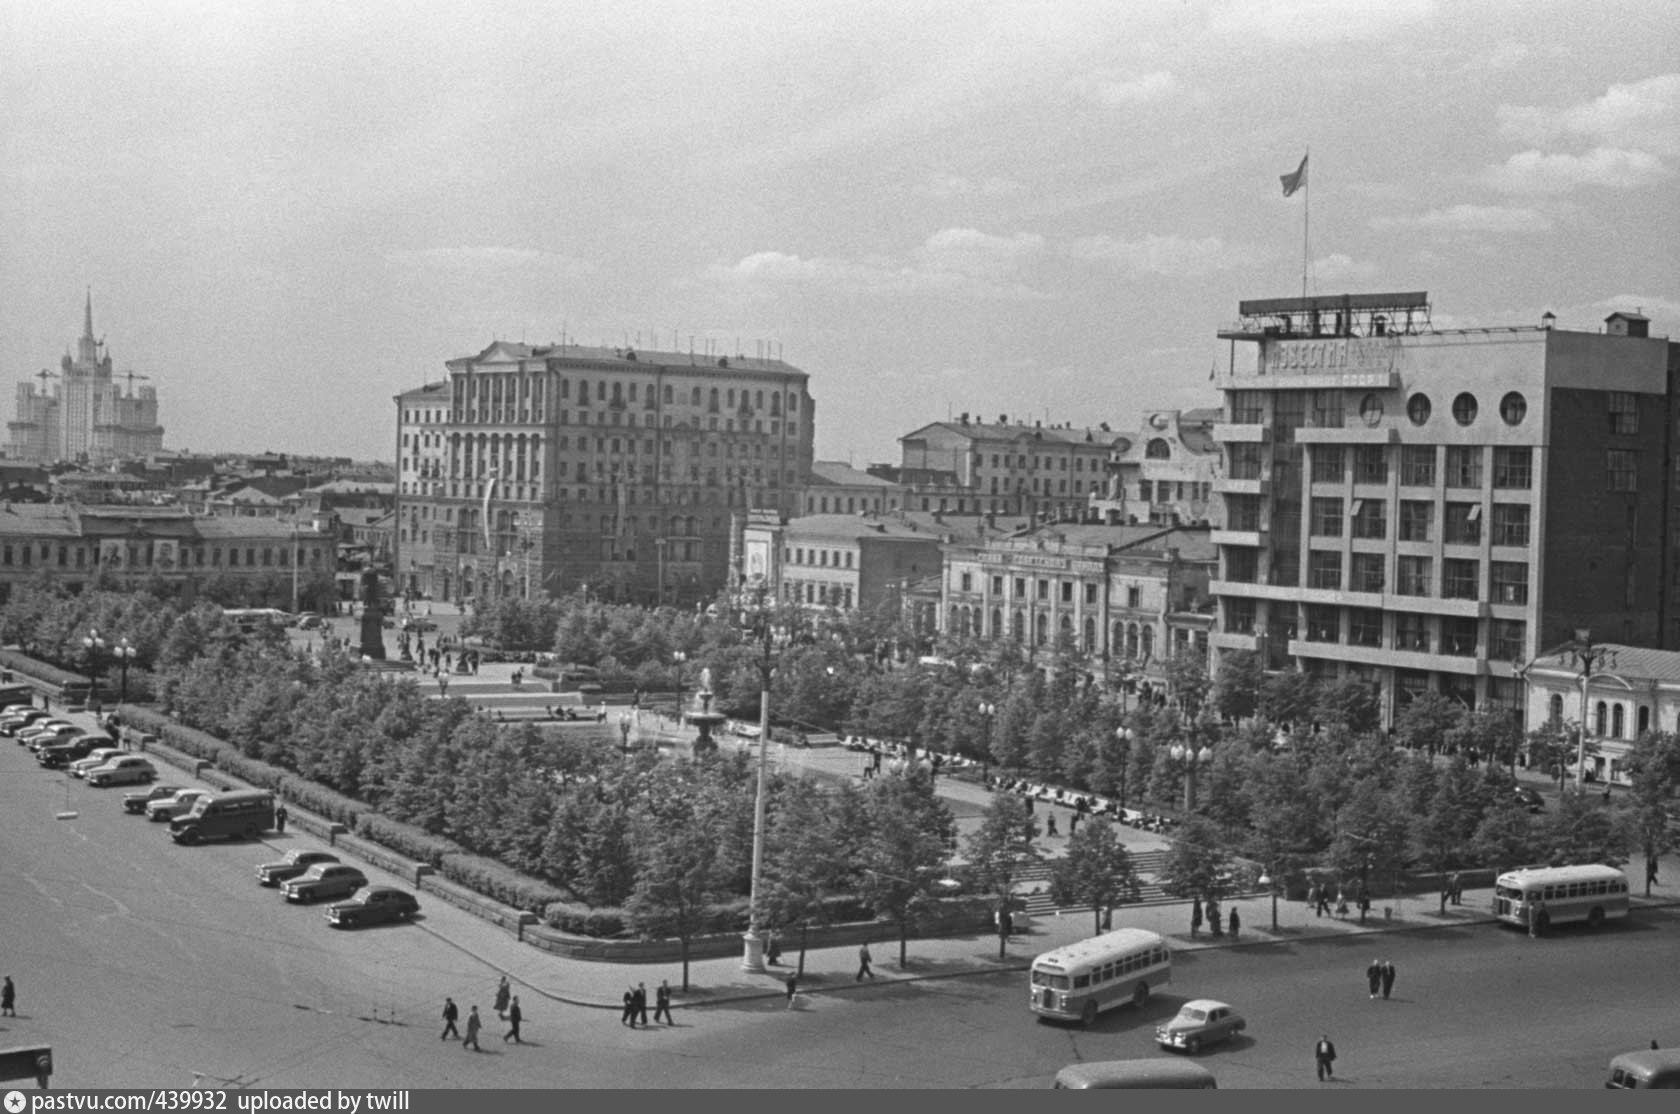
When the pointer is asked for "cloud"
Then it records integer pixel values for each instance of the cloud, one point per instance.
(1337, 268)
(1126, 90)
(1471, 218)
(949, 186)
(1170, 256)
(1310, 21)
(951, 261)
(1644, 115)
(490, 258)
(1535, 172)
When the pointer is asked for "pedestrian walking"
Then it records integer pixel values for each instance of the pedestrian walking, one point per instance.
(8, 998)
(1650, 870)
(628, 1017)
(1050, 824)
(280, 815)
(1324, 1054)
(792, 988)
(1216, 924)
(502, 992)
(864, 959)
(641, 1002)
(1457, 886)
(450, 1013)
(1195, 916)
(1373, 978)
(772, 949)
(473, 1026)
(1387, 978)
(1341, 904)
(1235, 921)
(662, 1002)
(1313, 899)
(1364, 906)
(1536, 918)
(514, 1015)
(1323, 899)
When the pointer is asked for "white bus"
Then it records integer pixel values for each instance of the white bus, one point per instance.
(249, 620)
(1591, 893)
(1079, 981)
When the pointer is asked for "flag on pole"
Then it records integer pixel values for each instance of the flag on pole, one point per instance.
(1293, 182)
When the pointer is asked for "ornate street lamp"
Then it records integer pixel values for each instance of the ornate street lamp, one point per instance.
(95, 646)
(1127, 737)
(1586, 655)
(755, 619)
(1271, 884)
(988, 711)
(123, 653)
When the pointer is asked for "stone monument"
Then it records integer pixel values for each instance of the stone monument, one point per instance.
(373, 617)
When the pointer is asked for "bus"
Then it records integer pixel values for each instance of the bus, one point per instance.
(249, 620)
(1591, 893)
(1079, 981)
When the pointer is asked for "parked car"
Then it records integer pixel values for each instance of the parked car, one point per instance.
(168, 808)
(32, 735)
(374, 905)
(297, 861)
(323, 880)
(72, 751)
(13, 722)
(95, 758)
(137, 802)
(308, 620)
(1200, 1022)
(127, 769)
(419, 624)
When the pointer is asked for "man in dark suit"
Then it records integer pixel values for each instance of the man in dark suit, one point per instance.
(1324, 1053)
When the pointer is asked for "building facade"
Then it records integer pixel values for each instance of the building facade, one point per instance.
(1428, 509)
(1630, 690)
(838, 488)
(546, 470)
(1165, 475)
(88, 417)
(844, 561)
(967, 466)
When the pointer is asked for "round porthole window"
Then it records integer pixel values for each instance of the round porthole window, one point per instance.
(1418, 408)
(1464, 408)
(1513, 408)
(1371, 409)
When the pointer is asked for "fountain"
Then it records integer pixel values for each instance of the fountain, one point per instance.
(702, 717)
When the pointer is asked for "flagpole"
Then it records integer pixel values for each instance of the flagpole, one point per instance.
(1306, 222)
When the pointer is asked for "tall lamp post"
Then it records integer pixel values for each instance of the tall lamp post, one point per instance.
(1126, 736)
(1587, 656)
(95, 646)
(1192, 756)
(988, 711)
(123, 653)
(624, 733)
(756, 619)
(1267, 880)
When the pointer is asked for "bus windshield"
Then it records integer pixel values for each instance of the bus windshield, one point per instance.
(1054, 982)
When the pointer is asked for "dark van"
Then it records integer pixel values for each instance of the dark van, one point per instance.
(245, 814)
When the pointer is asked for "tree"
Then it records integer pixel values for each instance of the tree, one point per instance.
(1236, 694)
(1199, 864)
(999, 850)
(1288, 697)
(1583, 829)
(909, 831)
(1096, 871)
(1552, 746)
(1350, 703)
(1653, 764)
(1425, 722)
(810, 841)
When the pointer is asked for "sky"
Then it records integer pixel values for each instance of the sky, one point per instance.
(290, 211)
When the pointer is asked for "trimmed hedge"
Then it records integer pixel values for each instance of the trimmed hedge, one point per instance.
(190, 740)
(406, 839)
(582, 920)
(258, 773)
(40, 670)
(319, 799)
(503, 883)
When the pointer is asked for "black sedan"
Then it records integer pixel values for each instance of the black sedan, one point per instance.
(374, 905)
(297, 861)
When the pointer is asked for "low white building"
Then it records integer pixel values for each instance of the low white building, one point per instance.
(1630, 690)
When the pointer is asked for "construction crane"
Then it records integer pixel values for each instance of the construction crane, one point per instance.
(43, 375)
(131, 377)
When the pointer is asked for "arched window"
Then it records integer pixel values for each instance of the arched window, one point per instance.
(1157, 449)
(1132, 641)
(1599, 719)
(1644, 720)
(995, 627)
(1016, 626)
(1041, 633)
(1148, 643)
(1554, 714)
(1089, 641)
(1618, 722)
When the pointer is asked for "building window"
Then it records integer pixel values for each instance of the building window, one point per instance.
(1246, 460)
(1417, 465)
(1513, 468)
(1326, 518)
(1464, 408)
(1239, 615)
(1242, 512)
(1248, 407)
(1464, 466)
(1044, 590)
(1327, 409)
(1323, 624)
(1324, 570)
(1367, 572)
(1513, 408)
(1411, 632)
(1510, 524)
(1417, 519)
(1067, 591)
(1329, 464)
(1624, 412)
(1370, 464)
(1242, 566)
(997, 581)
(1458, 636)
(1460, 579)
(1134, 596)
(1365, 626)
(968, 582)
(1623, 465)
(1510, 582)
(1418, 408)
(1412, 576)
(1370, 519)
(1507, 638)
(1371, 409)
(1464, 523)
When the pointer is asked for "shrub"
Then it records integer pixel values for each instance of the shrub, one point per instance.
(580, 920)
(406, 839)
(191, 741)
(502, 883)
(319, 799)
(258, 773)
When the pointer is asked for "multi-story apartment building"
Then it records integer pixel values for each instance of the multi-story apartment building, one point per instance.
(1129, 598)
(966, 466)
(1165, 475)
(534, 470)
(1431, 509)
(837, 488)
(88, 416)
(265, 560)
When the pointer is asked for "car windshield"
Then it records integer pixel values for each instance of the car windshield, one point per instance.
(1192, 1015)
